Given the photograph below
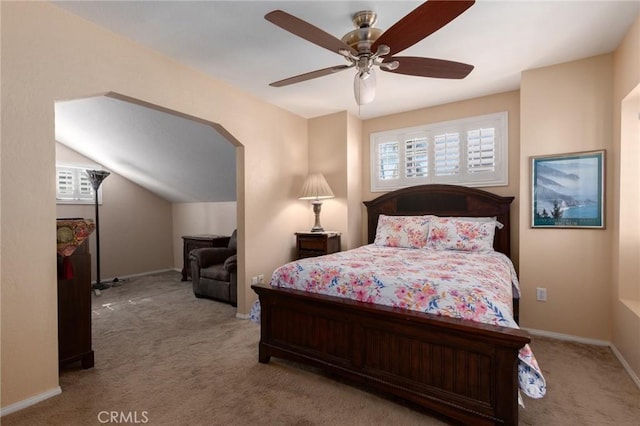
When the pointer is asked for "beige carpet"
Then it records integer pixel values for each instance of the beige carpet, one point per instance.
(164, 357)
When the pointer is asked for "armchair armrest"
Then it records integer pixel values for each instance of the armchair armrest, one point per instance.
(210, 255)
(231, 263)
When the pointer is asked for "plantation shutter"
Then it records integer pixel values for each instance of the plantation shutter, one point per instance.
(481, 151)
(85, 189)
(64, 183)
(471, 151)
(389, 160)
(416, 158)
(447, 154)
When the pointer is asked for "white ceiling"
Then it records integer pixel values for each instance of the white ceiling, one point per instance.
(232, 42)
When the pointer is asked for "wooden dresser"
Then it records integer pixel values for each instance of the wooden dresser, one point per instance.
(74, 311)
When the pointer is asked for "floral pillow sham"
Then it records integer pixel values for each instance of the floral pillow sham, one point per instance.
(402, 231)
(465, 234)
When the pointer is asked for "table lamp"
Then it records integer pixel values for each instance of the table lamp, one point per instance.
(316, 188)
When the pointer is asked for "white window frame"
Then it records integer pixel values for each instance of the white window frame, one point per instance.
(498, 177)
(77, 196)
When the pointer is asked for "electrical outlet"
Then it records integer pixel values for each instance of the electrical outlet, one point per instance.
(254, 280)
(260, 279)
(541, 294)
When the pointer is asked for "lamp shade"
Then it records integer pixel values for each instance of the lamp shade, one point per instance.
(364, 87)
(96, 177)
(315, 187)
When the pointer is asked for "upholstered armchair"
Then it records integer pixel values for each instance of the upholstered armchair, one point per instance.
(214, 272)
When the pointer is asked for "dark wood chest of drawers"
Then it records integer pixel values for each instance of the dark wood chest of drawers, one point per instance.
(74, 311)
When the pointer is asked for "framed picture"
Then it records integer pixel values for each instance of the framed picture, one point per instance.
(568, 190)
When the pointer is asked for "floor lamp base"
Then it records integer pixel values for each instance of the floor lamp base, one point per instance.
(100, 286)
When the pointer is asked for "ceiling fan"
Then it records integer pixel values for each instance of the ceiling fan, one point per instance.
(367, 47)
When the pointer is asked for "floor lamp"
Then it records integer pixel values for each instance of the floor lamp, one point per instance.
(96, 177)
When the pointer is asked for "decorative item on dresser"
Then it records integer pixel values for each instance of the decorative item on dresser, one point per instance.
(310, 244)
(191, 242)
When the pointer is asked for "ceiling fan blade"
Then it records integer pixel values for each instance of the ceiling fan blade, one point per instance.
(429, 67)
(307, 31)
(310, 75)
(426, 19)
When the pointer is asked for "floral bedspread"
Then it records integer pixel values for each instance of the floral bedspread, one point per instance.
(467, 285)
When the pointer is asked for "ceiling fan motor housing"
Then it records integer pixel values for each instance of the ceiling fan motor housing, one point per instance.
(365, 34)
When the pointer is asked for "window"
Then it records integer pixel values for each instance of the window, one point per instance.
(471, 151)
(73, 185)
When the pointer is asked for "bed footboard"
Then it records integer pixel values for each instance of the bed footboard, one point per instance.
(463, 370)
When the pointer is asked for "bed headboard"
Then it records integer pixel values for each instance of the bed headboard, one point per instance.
(443, 200)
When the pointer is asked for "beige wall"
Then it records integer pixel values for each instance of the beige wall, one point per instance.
(625, 277)
(355, 141)
(508, 101)
(328, 155)
(135, 225)
(566, 108)
(50, 55)
(334, 150)
(201, 218)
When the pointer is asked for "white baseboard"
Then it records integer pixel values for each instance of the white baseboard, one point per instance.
(595, 342)
(567, 337)
(21, 405)
(242, 316)
(626, 365)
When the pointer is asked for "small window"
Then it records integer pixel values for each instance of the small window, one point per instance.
(471, 151)
(73, 185)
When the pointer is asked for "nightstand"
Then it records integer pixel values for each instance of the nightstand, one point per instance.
(310, 244)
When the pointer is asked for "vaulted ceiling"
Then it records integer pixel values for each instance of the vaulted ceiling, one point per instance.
(179, 159)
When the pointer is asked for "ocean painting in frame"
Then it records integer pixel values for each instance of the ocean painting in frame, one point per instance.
(568, 190)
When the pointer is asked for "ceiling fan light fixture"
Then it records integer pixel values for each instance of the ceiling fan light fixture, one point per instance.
(363, 75)
(367, 47)
(364, 87)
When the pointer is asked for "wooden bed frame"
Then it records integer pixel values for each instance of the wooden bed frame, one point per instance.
(461, 369)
